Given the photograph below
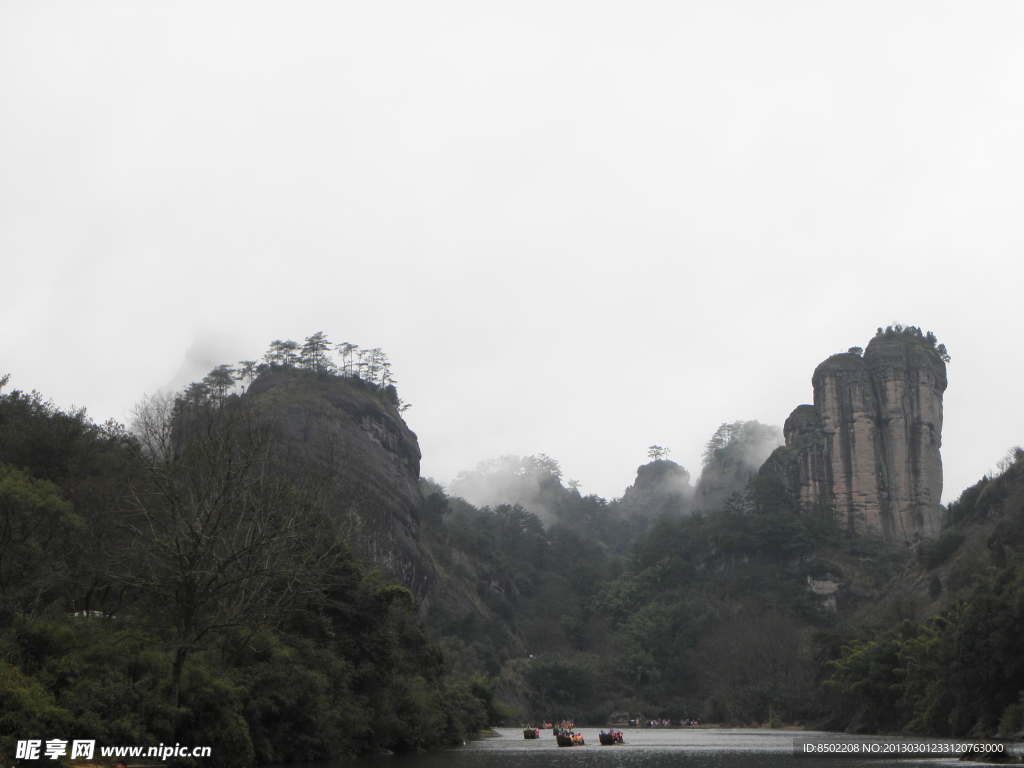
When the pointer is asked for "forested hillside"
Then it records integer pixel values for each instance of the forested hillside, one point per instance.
(183, 582)
(748, 615)
(703, 616)
(960, 670)
(256, 564)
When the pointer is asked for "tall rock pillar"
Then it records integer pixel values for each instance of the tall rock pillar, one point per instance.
(868, 449)
(909, 381)
(844, 397)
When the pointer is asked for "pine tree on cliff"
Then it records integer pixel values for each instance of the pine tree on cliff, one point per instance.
(347, 352)
(313, 354)
(374, 367)
(247, 371)
(282, 353)
(220, 380)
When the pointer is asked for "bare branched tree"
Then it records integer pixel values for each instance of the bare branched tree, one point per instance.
(215, 534)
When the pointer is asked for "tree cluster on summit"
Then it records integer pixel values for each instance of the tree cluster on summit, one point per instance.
(368, 365)
(896, 330)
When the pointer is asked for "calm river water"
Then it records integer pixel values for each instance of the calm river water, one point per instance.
(646, 748)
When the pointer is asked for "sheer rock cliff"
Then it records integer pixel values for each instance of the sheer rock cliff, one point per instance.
(867, 450)
(355, 451)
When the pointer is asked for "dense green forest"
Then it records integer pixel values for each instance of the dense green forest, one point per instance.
(710, 616)
(961, 671)
(699, 617)
(182, 580)
(175, 584)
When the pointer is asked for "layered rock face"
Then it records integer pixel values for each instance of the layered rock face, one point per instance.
(909, 382)
(868, 449)
(357, 455)
(803, 463)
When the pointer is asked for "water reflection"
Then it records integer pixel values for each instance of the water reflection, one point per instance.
(646, 748)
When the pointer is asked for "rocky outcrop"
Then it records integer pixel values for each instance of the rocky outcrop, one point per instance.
(350, 448)
(803, 464)
(867, 450)
(661, 487)
(734, 454)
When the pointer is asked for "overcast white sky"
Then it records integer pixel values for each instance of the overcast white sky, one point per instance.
(577, 228)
